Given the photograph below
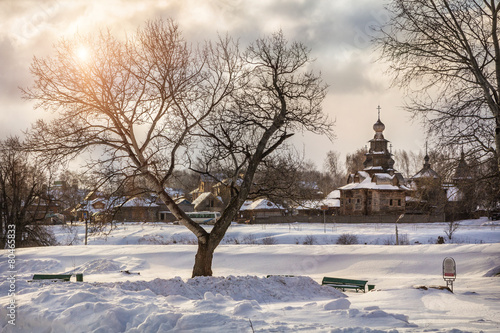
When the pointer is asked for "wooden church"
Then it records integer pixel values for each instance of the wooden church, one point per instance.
(377, 189)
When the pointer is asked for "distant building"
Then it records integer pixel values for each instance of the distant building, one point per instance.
(427, 195)
(260, 208)
(207, 201)
(377, 189)
(460, 191)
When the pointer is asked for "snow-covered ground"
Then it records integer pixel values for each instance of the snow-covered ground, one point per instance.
(239, 298)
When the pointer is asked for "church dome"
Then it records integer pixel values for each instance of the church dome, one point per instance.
(379, 126)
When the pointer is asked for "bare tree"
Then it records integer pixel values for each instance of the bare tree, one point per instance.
(278, 98)
(24, 198)
(451, 228)
(446, 53)
(354, 162)
(334, 169)
(148, 101)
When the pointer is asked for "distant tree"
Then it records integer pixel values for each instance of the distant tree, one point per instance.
(286, 179)
(451, 228)
(354, 162)
(446, 54)
(487, 184)
(152, 102)
(24, 198)
(66, 192)
(333, 168)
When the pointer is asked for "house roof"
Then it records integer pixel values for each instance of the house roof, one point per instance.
(317, 204)
(204, 196)
(259, 204)
(139, 202)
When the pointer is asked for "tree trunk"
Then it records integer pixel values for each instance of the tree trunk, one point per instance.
(497, 144)
(203, 259)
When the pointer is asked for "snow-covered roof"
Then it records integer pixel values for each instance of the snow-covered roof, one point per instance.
(174, 192)
(426, 172)
(332, 200)
(202, 198)
(259, 204)
(335, 194)
(139, 202)
(366, 182)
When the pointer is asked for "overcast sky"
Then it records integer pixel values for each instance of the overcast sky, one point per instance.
(337, 31)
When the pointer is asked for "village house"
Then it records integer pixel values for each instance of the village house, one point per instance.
(250, 211)
(207, 201)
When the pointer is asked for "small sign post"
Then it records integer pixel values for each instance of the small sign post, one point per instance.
(449, 271)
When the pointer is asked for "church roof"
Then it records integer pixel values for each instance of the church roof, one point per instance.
(463, 171)
(426, 171)
(378, 157)
(379, 181)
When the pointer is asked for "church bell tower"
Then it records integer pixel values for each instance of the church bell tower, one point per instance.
(379, 158)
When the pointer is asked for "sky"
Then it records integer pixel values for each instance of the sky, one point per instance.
(338, 33)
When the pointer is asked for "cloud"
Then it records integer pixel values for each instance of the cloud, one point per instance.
(338, 33)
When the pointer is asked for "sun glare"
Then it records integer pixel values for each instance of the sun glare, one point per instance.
(82, 53)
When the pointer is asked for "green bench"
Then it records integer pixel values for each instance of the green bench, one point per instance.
(344, 284)
(57, 277)
(52, 277)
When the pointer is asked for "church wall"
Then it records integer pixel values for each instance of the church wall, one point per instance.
(372, 202)
(353, 202)
(389, 202)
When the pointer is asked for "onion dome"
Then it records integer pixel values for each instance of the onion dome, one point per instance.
(379, 127)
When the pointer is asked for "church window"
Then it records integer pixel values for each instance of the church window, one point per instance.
(399, 202)
(390, 202)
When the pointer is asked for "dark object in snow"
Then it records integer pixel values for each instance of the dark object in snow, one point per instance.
(129, 272)
(440, 240)
(495, 215)
(434, 287)
(52, 277)
(344, 284)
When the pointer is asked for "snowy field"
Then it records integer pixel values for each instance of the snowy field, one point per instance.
(159, 296)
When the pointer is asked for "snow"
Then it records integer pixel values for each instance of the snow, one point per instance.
(139, 202)
(201, 198)
(259, 204)
(159, 296)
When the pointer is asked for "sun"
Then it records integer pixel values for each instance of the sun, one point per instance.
(82, 53)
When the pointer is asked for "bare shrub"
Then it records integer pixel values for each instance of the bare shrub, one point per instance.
(309, 240)
(347, 239)
(249, 239)
(153, 239)
(269, 240)
(71, 237)
(404, 240)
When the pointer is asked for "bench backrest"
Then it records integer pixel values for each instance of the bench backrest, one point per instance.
(330, 280)
(65, 277)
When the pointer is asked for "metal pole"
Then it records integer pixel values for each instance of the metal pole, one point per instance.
(324, 221)
(397, 237)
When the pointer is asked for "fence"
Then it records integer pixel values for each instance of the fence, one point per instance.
(350, 219)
